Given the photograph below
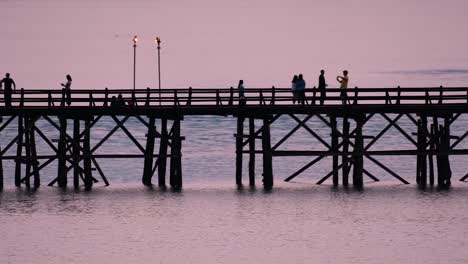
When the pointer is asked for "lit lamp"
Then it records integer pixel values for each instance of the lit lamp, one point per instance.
(135, 40)
(157, 40)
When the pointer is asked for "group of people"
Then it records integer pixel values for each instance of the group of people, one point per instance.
(8, 85)
(298, 86)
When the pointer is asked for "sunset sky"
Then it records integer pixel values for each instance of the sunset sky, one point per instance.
(213, 43)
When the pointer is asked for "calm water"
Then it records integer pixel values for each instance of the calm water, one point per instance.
(214, 43)
(210, 221)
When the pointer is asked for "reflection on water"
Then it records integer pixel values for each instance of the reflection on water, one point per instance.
(294, 223)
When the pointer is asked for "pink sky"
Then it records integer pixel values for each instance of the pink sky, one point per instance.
(213, 43)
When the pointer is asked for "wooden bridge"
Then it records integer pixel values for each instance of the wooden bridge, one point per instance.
(431, 111)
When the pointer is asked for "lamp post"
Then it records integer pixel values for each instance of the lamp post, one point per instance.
(135, 40)
(158, 43)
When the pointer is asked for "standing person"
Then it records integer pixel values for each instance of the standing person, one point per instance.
(300, 89)
(343, 80)
(240, 89)
(8, 82)
(67, 87)
(321, 87)
(293, 89)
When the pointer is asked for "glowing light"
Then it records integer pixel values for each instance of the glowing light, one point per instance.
(135, 39)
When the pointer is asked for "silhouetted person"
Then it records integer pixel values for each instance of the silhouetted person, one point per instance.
(300, 89)
(293, 88)
(113, 102)
(8, 83)
(343, 80)
(67, 87)
(241, 90)
(120, 101)
(321, 87)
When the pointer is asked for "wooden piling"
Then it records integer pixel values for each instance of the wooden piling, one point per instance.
(61, 153)
(27, 145)
(239, 143)
(149, 151)
(162, 154)
(334, 148)
(76, 153)
(251, 151)
(88, 177)
(445, 150)
(267, 155)
(35, 161)
(358, 166)
(176, 159)
(1, 170)
(19, 150)
(431, 156)
(421, 164)
(345, 159)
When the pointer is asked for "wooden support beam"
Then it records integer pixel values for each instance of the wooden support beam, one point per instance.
(385, 168)
(176, 156)
(251, 151)
(33, 152)
(267, 155)
(334, 148)
(162, 160)
(302, 123)
(421, 163)
(149, 151)
(239, 138)
(331, 173)
(19, 151)
(88, 177)
(27, 145)
(1, 171)
(101, 173)
(259, 131)
(358, 167)
(132, 138)
(76, 153)
(344, 157)
(403, 132)
(301, 170)
(290, 133)
(62, 145)
(431, 156)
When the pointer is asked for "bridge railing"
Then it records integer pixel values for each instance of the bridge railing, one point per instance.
(230, 97)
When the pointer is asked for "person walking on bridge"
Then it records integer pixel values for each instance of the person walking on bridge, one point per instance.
(321, 87)
(343, 80)
(67, 88)
(8, 84)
